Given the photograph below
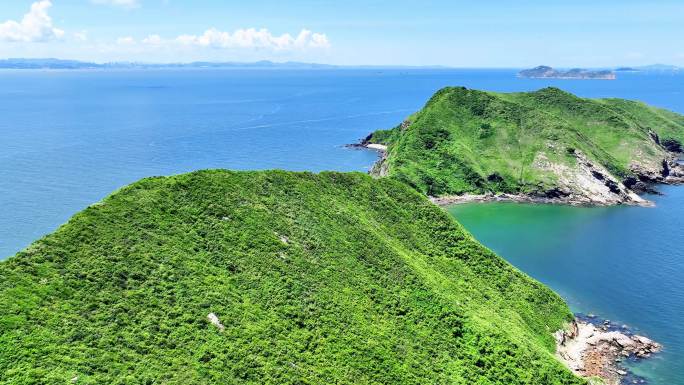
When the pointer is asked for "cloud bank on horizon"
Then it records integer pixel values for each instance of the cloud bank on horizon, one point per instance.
(36, 26)
(240, 38)
(582, 33)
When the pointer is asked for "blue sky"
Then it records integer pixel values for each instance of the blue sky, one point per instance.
(454, 33)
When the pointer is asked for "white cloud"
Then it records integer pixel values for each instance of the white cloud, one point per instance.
(125, 40)
(153, 40)
(35, 26)
(253, 38)
(119, 3)
(241, 39)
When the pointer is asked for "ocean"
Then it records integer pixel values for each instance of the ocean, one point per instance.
(70, 138)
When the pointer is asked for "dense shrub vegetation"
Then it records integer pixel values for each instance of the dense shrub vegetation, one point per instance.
(317, 279)
(468, 141)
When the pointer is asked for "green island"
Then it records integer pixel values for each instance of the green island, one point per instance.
(548, 146)
(272, 277)
(275, 277)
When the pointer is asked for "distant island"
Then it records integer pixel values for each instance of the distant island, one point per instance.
(650, 68)
(659, 68)
(546, 72)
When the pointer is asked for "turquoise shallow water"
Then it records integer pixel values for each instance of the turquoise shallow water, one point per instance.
(621, 263)
(69, 138)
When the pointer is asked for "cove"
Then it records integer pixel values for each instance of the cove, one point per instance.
(622, 263)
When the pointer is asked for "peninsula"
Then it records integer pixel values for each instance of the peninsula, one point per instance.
(544, 146)
(273, 277)
(546, 72)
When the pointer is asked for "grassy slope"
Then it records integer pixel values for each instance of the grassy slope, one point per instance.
(373, 285)
(475, 141)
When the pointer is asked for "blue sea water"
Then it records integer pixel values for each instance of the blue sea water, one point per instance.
(625, 264)
(69, 138)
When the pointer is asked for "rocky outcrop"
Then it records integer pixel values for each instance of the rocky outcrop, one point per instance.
(586, 183)
(675, 171)
(380, 167)
(669, 171)
(672, 145)
(595, 348)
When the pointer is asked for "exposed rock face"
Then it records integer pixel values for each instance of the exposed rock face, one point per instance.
(591, 350)
(669, 171)
(672, 145)
(648, 174)
(675, 172)
(586, 183)
(380, 168)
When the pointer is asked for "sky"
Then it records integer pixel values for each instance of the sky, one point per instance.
(505, 33)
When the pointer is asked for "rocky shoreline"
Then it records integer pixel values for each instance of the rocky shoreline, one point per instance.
(379, 168)
(592, 347)
(521, 198)
(621, 192)
(600, 189)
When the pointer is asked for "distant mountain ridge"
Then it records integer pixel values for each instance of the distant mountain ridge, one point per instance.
(649, 68)
(546, 72)
(537, 72)
(658, 67)
(17, 63)
(51, 63)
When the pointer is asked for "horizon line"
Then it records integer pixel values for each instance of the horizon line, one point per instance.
(300, 63)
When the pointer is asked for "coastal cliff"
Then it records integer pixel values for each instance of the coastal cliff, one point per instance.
(544, 146)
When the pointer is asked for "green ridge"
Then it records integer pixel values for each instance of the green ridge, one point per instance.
(324, 278)
(468, 141)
